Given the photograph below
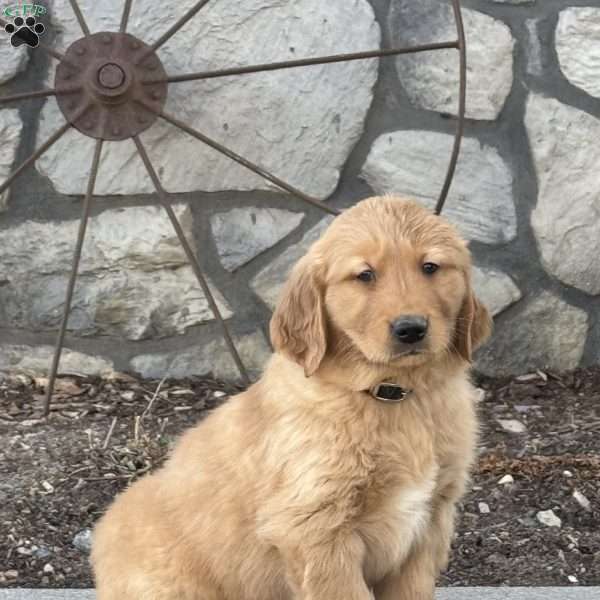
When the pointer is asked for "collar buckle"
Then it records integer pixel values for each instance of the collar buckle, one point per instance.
(389, 392)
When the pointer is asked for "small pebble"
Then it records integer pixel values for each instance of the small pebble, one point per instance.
(42, 552)
(219, 394)
(568, 474)
(527, 377)
(512, 425)
(83, 540)
(573, 579)
(561, 555)
(11, 574)
(506, 480)
(548, 518)
(48, 568)
(582, 500)
(484, 508)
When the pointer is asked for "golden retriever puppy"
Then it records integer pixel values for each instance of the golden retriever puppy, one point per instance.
(335, 476)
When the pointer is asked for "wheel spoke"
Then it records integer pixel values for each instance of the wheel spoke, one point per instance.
(178, 25)
(80, 18)
(246, 163)
(55, 54)
(125, 16)
(28, 95)
(162, 196)
(29, 161)
(43, 148)
(85, 214)
(306, 62)
(460, 125)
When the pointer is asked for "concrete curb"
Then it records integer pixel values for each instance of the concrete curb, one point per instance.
(504, 593)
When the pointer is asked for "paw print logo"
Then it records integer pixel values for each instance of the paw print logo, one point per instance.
(24, 31)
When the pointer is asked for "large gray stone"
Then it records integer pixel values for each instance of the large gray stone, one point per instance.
(301, 124)
(548, 333)
(564, 142)
(35, 360)
(414, 163)
(213, 357)
(243, 233)
(269, 282)
(135, 280)
(495, 289)
(578, 47)
(10, 134)
(12, 60)
(431, 79)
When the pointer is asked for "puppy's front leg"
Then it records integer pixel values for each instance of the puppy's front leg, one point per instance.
(415, 579)
(332, 571)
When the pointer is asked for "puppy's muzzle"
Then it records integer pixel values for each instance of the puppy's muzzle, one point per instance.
(409, 329)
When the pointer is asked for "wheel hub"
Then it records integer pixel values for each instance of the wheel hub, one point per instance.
(101, 90)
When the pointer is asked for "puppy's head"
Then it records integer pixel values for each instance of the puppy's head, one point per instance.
(389, 282)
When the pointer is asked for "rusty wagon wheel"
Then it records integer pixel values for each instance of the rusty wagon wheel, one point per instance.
(112, 86)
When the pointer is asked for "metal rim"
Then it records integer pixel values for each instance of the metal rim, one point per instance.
(77, 105)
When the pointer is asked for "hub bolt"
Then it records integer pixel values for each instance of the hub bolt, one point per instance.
(111, 76)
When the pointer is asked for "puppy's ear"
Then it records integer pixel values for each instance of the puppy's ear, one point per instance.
(298, 328)
(473, 326)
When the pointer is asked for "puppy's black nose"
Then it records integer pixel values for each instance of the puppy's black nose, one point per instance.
(409, 329)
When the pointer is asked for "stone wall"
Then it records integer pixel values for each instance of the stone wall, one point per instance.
(526, 192)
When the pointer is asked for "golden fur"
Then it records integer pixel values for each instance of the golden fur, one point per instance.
(305, 487)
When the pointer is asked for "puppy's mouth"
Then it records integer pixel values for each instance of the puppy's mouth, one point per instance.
(405, 353)
(410, 355)
(399, 350)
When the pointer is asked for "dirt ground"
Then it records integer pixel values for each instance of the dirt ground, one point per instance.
(540, 452)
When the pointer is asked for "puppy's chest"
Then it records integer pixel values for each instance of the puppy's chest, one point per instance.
(418, 462)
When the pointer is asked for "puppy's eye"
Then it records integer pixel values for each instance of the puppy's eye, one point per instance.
(366, 276)
(430, 268)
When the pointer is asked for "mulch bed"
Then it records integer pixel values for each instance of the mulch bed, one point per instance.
(57, 476)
